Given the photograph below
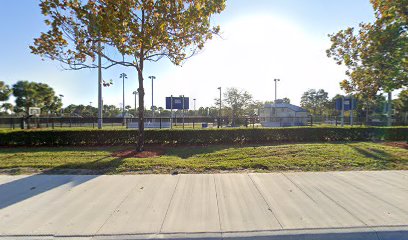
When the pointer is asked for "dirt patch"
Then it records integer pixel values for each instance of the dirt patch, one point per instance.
(148, 153)
(403, 145)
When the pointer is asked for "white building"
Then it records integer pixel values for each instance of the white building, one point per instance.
(280, 114)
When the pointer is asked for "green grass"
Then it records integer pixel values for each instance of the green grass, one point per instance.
(189, 159)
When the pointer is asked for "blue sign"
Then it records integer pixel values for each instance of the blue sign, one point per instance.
(177, 103)
(349, 104)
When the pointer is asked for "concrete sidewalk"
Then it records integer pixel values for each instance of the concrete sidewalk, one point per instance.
(342, 205)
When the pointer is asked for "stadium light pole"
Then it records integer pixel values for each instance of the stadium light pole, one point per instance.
(135, 93)
(123, 76)
(194, 106)
(62, 109)
(276, 86)
(152, 78)
(219, 114)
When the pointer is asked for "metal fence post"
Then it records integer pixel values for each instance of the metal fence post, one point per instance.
(160, 119)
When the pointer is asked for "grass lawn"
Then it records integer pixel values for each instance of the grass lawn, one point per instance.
(194, 159)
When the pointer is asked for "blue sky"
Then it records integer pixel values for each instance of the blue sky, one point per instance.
(262, 40)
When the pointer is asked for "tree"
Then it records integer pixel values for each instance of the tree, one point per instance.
(140, 31)
(54, 106)
(5, 108)
(32, 94)
(375, 55)
(314, 101)
(253, 108)
(111, 111)
(286, 100)
(5, 91)
(238, 101)
(401, 105)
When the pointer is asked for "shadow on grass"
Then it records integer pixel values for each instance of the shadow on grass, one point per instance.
(375, 154)
(10, 150)
(187, 152)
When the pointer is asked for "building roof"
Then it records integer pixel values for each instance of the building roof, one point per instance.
(285, 105)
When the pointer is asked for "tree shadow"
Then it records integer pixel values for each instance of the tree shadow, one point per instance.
(375, 154)
(31, 149)
(190, 151)
(30, 186)
(185, 152)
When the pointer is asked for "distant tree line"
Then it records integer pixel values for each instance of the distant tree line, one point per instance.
(237, 104)
(29, 94)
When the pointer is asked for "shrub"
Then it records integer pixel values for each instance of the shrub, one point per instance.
(210, 136)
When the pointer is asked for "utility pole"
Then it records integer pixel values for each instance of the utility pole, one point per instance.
(123, 76)
(276, 86)
(219, 114)
(152, 78)
(136, 111)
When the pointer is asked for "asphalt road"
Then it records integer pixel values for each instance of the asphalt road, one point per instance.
(340, 205)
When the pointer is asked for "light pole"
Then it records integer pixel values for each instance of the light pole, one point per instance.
(219, 114)
(152, 78)
(276, 86)
(62, 109)
(135, 93)
(123, 76)
(194, 106)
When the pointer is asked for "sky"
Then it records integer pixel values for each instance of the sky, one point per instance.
(260, 40)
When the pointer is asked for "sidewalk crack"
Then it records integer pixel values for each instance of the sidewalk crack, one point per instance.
(218, 208)
(117, 207)
(269, 207)
(168, 207)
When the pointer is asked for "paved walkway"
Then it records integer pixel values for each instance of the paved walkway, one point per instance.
(351, 205)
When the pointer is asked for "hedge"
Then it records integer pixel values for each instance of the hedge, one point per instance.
(218, 136)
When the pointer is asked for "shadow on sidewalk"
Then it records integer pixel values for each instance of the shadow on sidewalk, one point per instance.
(26, 187)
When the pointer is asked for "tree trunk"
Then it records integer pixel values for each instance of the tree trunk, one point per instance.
(100, 103)
(233, 118)
(140, 139)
